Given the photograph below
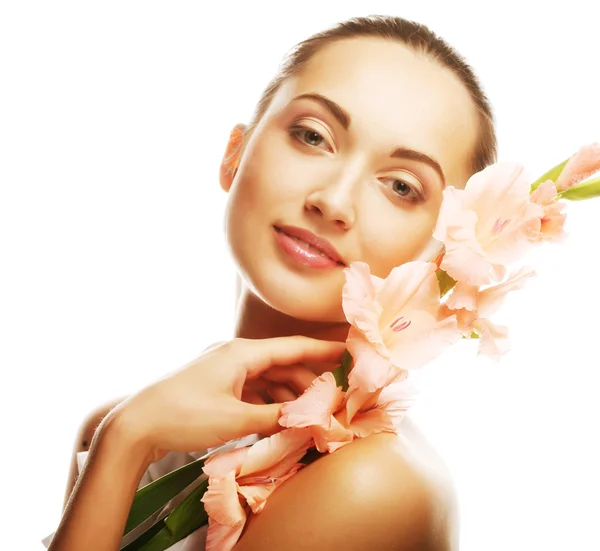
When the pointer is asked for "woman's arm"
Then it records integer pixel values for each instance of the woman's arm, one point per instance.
(192, 408)
(368, 495)
(83, 441)
(96, 513)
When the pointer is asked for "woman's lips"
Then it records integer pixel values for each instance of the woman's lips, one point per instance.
(303, 251)
(313, 240)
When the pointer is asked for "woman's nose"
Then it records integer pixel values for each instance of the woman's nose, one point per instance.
(335, 202)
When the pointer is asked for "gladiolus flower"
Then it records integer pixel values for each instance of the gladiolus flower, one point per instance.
(394, 325)
(315, 409)
(486, 226)
(253, 473)
(386, 412)
(552, 223)
(473, 307)
(579, 167)
(321, 408)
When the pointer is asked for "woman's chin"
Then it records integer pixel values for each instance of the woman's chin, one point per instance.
(309, 308)
(300, 292)
(304, 301)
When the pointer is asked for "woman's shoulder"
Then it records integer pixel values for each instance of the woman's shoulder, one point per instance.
(371, 494)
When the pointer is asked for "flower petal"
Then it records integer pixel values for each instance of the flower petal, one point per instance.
(371, 370)
(370, 422)
(222, 537)
(491, 298)
(411, 285)
(493, 340)
(463, 296)
(221, 463)
(464, 259)
(221, 501)
(256, 494)
(277, 453)
(332, 438)
(393, 401)
(488, 224)
(451, 208)
(552, 227)
(545, 193)
(315, 406)
(359, 300)
(356, 397)
(580, 166)
(553, 220)
(428, 345)
(465, 319)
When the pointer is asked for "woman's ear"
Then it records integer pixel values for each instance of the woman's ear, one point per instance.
(231, 158)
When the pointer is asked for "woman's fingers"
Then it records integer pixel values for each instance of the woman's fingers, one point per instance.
(252, 397)
(257, 419)
(281, 393)
(298, 377)
(281, 351)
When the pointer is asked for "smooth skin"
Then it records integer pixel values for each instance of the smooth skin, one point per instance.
(303, 166)
(176, 413)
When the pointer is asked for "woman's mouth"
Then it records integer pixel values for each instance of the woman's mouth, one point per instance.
(307, 252)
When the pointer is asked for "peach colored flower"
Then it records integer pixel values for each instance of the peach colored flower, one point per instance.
(394, 322)
(473, 307)
(321, 408)
(552, 223)
(315, 409)
(579, 167)
(486, 226)
(252, 473)
(383, 411)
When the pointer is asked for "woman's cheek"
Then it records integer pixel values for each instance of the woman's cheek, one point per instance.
(276, 175)
(394, 245)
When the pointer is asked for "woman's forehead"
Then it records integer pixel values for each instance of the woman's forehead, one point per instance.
(394, 97)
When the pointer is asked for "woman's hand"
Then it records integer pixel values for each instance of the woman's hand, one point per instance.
(200, 405)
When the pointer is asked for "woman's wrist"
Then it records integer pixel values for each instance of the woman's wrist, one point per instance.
(120, 431)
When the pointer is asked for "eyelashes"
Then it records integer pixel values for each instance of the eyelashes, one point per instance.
(417, 194)
(405, 192)
(297, 130)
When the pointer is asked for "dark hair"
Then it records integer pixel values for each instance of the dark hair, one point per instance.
(416, 36)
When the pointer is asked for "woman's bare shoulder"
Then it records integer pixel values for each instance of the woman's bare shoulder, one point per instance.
(376, 493)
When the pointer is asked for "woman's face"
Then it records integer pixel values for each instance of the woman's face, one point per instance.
(309, 166)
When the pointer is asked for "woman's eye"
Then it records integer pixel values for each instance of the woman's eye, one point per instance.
(308, 136)
(405, 190)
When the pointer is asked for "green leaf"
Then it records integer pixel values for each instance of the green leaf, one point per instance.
(186, 518)
(158, 493)
(587, 190)
(189, 515)
(144, 538)
(445, 281)
(552, 174)
(341, 373)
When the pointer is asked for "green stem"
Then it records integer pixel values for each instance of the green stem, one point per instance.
(552, 174)
(341, 373)
(587, 190)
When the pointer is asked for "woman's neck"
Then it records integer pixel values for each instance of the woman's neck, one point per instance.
(257, 320)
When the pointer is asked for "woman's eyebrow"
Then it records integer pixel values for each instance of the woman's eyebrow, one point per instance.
(344, 118)
(412, 155)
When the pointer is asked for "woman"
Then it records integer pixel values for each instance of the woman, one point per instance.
(345, 159)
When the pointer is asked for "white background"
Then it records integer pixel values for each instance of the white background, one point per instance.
(113, 120)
